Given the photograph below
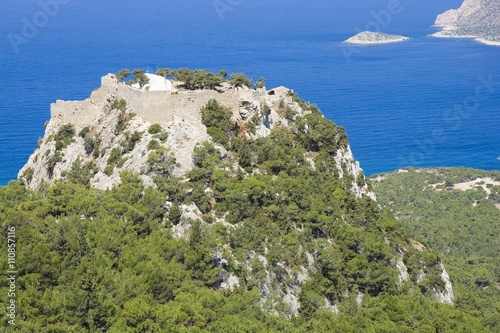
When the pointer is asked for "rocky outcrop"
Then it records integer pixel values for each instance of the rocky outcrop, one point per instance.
(445, 296)
(110, 138)
(374, 38)
(479, 19)
(348, 166)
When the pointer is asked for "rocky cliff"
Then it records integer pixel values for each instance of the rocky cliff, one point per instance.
(478, 19)
(104, 125)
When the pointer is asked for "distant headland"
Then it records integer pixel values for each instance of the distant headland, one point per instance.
(374, 38)
(474, 19)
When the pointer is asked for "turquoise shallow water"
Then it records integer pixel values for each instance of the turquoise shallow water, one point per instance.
(424, 102)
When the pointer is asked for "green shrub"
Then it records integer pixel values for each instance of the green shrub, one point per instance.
(217, 119)
(131, 140)
(115, 156)
(51, 163)
(119, 104)
(162, 136)
(161, 162)
(205, 155)
(289, 113)
(97, 145)
(88, 143)
(282, 104)
(64, 137)
(175, 213)
(154, 129)
(165, 72)
(121, 123)
(28, 175)
(84, 131)
(121, 162)
(317, 133)
(261, 82)
(109, 169)
(140, 77)
(218, 135)
(251, 127)
(153, 145)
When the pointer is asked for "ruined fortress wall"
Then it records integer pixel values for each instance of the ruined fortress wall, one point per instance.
(152, 106)
(75, 112)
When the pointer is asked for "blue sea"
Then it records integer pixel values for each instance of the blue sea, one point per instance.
(425, 102)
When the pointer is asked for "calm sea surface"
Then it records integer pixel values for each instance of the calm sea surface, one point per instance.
(424, 102)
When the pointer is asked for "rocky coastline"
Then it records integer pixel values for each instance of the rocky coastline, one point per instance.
(477, 19)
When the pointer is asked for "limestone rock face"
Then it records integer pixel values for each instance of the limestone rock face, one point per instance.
(446, 296)
(478, 19)
(98, 121)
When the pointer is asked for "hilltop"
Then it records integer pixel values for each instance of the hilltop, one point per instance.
(115, 128)
(479, 19)
(213, 205)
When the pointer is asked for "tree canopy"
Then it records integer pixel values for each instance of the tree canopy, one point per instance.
(140, 77)
(240, 80)
(165, 72)
(198, 79)
(123, 74)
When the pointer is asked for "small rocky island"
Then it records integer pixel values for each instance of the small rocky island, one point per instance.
(474, 19)
(374, 38)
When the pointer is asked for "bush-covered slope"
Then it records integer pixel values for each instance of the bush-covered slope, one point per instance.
(95, 261)
(457, 212)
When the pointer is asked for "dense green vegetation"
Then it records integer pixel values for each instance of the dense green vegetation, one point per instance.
(463, 226)
(272, 212)
(92, 261)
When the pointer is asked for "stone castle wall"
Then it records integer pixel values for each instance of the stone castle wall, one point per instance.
(152, 106)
